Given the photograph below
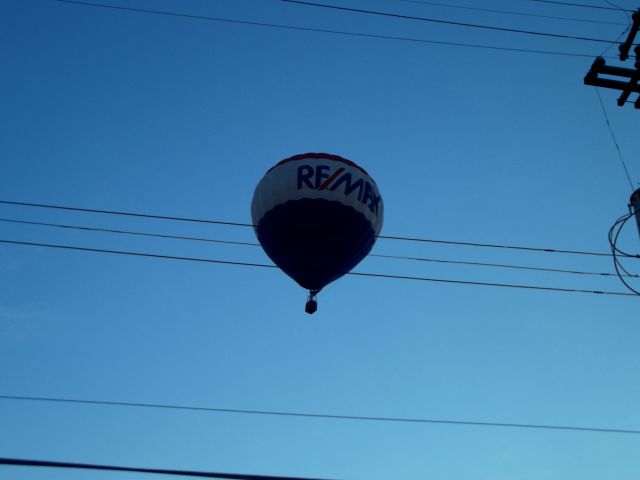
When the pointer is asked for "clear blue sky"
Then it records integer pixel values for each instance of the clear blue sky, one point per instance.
(129, 111)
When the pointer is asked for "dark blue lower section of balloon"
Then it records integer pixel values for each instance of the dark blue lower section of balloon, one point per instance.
(315, 241)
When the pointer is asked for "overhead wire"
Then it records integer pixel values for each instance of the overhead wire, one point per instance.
(614, 42)
(127, 214)
(582, 5)
(620, 223)
(628, 27)
(495, 245)
(614, 234)
(613, 138)
(127, 232)
(357, 274)
(626, 13)
(500, 265)
(247, 225)
(445, 22)
(326, 31)
(616, 262)
(510, 12)
(325, 416)
(254, 244)
(21, 462)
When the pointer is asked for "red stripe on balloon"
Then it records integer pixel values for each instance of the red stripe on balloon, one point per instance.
(328, 181)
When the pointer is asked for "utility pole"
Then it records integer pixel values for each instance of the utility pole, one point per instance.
(627, 81)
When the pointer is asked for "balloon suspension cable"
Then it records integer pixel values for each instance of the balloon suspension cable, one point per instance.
(614, 234)
(312, 303)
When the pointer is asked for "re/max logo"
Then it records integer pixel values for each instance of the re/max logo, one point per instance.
(319, 178)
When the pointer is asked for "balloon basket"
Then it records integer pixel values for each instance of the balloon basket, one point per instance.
(312, 304)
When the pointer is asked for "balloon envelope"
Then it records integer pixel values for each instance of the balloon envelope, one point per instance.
(317, 216)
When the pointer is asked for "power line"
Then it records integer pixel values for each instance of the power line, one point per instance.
(239, 224)
(568, 4)
(500, 265)
(128, 232)
(19, 462)
(445, 22)
(254, 244)
(628, 26)
(139, 254)
(494, 245)
(127, 214)
(320, 415)
(615, 141)
(614, 234)
(510, 12)
(614, 42)
(323, 30)
(357, 274)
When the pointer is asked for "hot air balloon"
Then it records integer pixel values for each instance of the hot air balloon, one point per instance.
(316, 216)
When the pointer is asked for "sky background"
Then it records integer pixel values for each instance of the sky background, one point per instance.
(117, 110)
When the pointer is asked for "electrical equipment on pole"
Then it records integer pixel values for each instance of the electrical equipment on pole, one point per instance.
(625, 79)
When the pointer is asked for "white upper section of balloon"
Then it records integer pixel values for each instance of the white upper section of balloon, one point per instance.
(332, 179)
